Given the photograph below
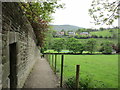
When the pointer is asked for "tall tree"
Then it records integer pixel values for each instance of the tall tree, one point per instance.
(58, 45)
(106, 47)
(91, 45)
(39, 15)
(76, 47)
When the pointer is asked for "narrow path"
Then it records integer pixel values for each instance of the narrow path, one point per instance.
(41, 76)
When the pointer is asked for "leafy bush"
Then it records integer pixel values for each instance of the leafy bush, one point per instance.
(116, 47)
(91, 45)
(76, 47)
(100, 36)
(58, 45)
(86, 82)
(106, 47)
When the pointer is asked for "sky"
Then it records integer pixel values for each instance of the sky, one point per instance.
(75, 13)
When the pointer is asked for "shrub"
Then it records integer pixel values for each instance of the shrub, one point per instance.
(94, 36)
(76, 47)
(58, 45)
(100, 36)
(116, 47)
(84, 83)
(106, 47)
(91, 45)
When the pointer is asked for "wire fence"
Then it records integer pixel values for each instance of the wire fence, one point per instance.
(67, 71)
(60, 68)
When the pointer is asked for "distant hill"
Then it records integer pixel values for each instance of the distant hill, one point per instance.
(65, 27)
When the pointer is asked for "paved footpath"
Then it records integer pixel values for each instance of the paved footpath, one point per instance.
(41, 76)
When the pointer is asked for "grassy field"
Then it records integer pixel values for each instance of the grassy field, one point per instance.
(102, 33)
(103, 68)
(105, 33)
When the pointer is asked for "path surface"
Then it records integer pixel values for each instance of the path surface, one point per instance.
(41, 76)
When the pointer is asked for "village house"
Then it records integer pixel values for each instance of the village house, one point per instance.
(84, 33)
(71, 33)
(60, 33)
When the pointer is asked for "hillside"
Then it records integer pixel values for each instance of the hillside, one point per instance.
(106, 33)
(65, 27)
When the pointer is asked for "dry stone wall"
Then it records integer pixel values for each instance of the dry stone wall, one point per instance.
(17, 29)
(0, 45)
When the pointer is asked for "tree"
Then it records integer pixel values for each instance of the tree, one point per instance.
(116, 47)
(104, 11)
(91, 45)
(76, 47)
(69, 41)
(58, 45)
(39, 15)
(54, 33)
(43, 49)
(106, 47)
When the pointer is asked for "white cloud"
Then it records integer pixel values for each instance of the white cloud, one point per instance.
(75, 13)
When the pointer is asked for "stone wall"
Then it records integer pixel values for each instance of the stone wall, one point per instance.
(0, 45)
(17, 29)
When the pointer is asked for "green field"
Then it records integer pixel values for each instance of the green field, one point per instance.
(102, 33)
(103, 68)
(105, 33)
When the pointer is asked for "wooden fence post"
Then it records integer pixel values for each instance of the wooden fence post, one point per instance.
(55, 62)
(61, 79)
(77, 75)
(47, 57)
(52, 59)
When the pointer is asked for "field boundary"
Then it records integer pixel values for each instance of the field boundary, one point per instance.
(80, 54)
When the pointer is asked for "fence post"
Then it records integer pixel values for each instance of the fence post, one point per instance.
(52, 59)
(47, 57)
(55, 62)
(61, 79)
(77, 75)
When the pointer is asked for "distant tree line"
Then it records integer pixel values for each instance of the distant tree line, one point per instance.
(76, 46)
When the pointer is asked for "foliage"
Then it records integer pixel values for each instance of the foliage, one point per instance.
(86, 82)
(39, 15)
(76, 47)
(103, 68)
(43, 49)
(106, 47)
(82, 30)
(58, 45)
(91, 45)
(116, 47)
(104, 11)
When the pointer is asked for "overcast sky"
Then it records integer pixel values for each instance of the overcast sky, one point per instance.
(75, 13)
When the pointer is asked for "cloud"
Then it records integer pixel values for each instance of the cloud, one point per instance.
(75, 13)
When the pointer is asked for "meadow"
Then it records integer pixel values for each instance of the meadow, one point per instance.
(100, 68)
(102, 33)
(105, 33)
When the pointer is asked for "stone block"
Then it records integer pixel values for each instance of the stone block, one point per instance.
(5, 71)
(0, 76)
(5, 55)
(11, 37)
(6, 83)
